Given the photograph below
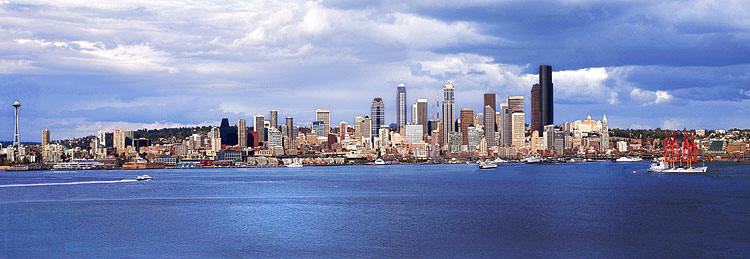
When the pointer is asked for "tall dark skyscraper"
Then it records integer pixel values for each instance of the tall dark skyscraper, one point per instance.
(489, 119)
(536, 109)
(378, 115)
(546, 104)
(273, 118)
(400, 106)
(228, 133)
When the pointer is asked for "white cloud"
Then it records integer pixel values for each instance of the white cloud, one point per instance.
(122, 58)
(650, 97)
(16, 66)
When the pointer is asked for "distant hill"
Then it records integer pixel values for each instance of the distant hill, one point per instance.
(179, 133)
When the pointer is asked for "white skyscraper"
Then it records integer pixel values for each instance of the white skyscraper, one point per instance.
(605, 135)
(518, 135)
(214, 137)
(102, 135)
(414, 134)
(242, 133)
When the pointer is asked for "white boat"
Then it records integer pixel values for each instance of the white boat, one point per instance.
(379, 162)
(629, 159)
(532, 160)
(143, 177)
(489, 164)
(500, 160)
(295, 164)
(663, 167)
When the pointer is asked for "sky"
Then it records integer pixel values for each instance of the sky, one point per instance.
(78, 67)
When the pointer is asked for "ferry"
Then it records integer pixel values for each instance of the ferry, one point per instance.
(629, 159)
(78, 165)
(379, 162)
(678, 158)
(500, 160)
(489, 164)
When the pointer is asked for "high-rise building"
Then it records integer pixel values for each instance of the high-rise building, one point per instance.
(414, 134)
(605, 136)
(421, 115)
(432, 125)
(503, 130)
(358, 127)
(448, 110)
(474, 139)
(367, 128)
(489, 99)
(242, 133)
(467, 119)
(259, 125)
(16, 142)
(214, 137)
(118, 140)
(489, 119)
(536, 109)
(515, 105)
(518, 135)
(318, 128)
(129, 137)
(45, 137)
(102, 136)
(549, 137)
(228, 133)
(400, 106)
(414, 113)
(274, 118)
(325, 117)
(342, 131)
(274, 137)
(290, 133)
(546, 101)
(378, 115)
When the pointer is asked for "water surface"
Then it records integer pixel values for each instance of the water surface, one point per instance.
(596, 209)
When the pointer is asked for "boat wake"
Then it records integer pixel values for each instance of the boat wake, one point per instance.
(70, 183)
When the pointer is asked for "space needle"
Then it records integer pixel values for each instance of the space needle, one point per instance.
(16, 105)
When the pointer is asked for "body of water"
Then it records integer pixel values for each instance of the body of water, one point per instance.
(596, 209)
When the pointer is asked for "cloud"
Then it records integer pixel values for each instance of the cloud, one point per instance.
(16, 66)
(187, 62)
(94, 55)
(650, 97)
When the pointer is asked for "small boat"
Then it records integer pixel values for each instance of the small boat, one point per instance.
(295, 164)
(144, 177)
(489, 164)
(532, 160)
(379, 162)
(629, 159)
(500, 160)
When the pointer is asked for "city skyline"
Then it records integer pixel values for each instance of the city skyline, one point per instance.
(78, 77)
